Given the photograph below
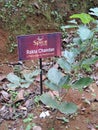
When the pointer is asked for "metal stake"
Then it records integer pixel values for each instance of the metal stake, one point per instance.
(41, 84)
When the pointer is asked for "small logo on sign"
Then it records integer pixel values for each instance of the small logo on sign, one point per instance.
(40, 41)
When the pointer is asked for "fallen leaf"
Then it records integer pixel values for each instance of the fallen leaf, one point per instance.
(5, 95)
(22, 108)
(36, 5)
(2, 77)
(96, 64)
(91, 127)
(29, 103)
(20, 96)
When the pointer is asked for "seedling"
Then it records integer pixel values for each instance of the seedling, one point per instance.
(37, 100)
(28, 121)
(13, 94)
(25, 82)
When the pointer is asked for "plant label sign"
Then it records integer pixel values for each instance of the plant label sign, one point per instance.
(39, 46)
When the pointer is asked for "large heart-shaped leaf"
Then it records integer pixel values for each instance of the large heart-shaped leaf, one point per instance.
(52, 86)
(25, 85)
(67, 108)
(64, 80)
(49, 101)
(64, 64)
(13, 85)
(28, 77)
(35, 73)
(64, 107)
(13, 78)
(82, 82)
(54, 75)
(69, 56)
(84, 33)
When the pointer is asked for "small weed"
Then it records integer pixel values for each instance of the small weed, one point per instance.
(52, 129)
(29, 118)
(13, 95)
(37, 99)
(96, 126)
(58, 17)
(28, 121)
(9, 4)
(20, 3)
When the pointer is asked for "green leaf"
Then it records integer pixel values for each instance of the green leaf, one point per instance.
(52, 86)
(64, 64)
(25, 85)
(28, 127)
(35, 73)
(77, 40)
(65, 120)
(79, 84)
(94, 11)
(68, 26)
(90, 61)
(13, 78)
(49, 101)
(67, 108)
(27, 120)
(73, 21)
(84, 33)
(64, 107)
(66, 86)
(13, 86)
(54, 75)
(85, 18)
(64, 80)
(29, 77)
(69, 56)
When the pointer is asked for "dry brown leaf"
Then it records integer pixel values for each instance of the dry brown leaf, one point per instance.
(36, 5)
(2, 77)
(22, 108)
(91, 127)
(96, 64)
(20, 96)
(5, 95)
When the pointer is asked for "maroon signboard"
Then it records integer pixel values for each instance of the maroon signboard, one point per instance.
(39, 46)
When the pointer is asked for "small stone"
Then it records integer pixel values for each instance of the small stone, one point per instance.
(37, 128)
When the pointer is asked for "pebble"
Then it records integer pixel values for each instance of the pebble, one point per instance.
(37, 128)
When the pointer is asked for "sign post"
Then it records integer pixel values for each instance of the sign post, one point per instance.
(38, 46)
(41, 80)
